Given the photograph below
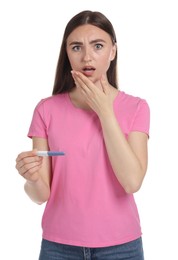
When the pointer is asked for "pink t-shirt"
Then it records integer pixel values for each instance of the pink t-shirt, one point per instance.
(87, 206)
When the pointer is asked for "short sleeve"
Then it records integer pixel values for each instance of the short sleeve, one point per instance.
(38, 125)
(141, 121)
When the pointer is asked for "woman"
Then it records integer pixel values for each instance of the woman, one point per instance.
(90, 211)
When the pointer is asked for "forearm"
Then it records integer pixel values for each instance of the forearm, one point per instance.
(125, 163)
(37, 191)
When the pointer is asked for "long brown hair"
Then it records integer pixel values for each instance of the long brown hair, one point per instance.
(63, 80)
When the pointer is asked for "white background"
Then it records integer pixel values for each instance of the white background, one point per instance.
(30, 37)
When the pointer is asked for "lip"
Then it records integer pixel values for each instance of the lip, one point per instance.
(88, 70)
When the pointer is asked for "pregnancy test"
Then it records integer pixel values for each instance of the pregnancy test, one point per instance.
(49, 153)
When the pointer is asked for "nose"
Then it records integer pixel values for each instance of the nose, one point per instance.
(87, 55)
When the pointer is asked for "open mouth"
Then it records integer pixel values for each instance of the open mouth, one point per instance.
(88, 71)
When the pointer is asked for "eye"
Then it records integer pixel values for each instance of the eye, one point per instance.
(76, 48)
(99, 46)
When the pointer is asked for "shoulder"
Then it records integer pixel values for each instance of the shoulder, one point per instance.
(131, 99)
(49, 108)
(51, 101)
(129, 107)
(132, 112)
(131, 102)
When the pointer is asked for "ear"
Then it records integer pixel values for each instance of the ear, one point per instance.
(113, 52)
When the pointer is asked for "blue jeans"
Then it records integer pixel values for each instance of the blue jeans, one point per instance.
(54, 251)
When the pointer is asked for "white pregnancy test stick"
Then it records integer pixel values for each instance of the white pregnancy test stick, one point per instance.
(49, 153)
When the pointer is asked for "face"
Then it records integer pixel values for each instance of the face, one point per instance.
(90, 51)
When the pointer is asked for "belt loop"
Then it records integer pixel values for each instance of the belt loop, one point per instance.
(86, 253)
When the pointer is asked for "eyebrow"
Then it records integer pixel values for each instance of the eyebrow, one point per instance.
(81, 43)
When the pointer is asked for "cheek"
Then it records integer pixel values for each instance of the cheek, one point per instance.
(105, 63)
(73, 62)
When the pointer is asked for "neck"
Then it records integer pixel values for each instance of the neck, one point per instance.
(77, 99)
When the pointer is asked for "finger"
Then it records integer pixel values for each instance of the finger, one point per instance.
(32, 177)
(26, 157)
(27, 160)
(26, 154)
(104, 84)
(29, 168)
(82, 81)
